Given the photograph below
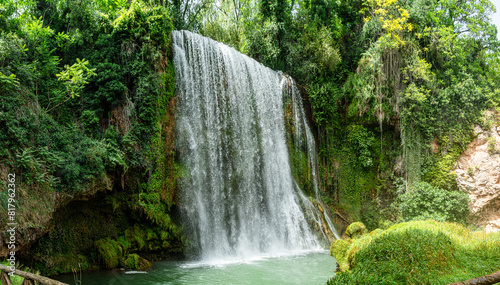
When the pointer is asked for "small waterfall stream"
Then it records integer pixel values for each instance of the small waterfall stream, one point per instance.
(239, 197)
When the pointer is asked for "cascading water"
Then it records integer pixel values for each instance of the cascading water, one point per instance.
(304, 142)
(239, 196)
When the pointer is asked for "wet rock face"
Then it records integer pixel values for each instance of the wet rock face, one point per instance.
(478, 174)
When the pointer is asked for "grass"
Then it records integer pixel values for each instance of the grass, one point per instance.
(419, 252)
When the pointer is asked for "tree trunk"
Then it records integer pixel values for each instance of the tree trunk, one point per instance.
(483, 280)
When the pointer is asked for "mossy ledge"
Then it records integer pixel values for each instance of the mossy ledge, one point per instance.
(418, 252)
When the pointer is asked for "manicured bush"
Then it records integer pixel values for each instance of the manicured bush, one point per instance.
(419, 252)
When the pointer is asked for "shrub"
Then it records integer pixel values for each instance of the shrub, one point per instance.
(419, 252)
(426, 202)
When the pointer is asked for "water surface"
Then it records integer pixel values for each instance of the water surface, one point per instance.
(306, 268)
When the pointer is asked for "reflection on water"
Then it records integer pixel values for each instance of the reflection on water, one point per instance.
(306, 268)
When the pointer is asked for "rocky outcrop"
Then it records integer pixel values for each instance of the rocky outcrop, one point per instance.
(478, 174)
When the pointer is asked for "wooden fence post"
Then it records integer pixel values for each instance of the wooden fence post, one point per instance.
(5, 278)
(28, 282)
(29, 278)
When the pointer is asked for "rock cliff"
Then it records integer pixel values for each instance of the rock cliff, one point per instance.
(478, 174)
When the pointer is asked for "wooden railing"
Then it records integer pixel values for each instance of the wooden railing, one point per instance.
(29, 278)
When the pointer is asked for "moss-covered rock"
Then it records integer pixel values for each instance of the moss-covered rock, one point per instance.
(110, 251)
(419, 252)
(136, 262)
(355, 230)
(339, 249)
(138, 237)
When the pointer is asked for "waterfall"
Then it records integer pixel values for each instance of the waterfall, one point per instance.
(239, 197)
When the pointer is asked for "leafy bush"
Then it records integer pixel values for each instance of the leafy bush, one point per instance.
(361, 140)
(426, 202)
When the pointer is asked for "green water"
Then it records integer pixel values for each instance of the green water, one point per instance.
(307, 268)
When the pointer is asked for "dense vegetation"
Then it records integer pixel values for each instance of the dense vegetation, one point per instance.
(384, 78)
(87, 107)
(420, 252)
(86, 88)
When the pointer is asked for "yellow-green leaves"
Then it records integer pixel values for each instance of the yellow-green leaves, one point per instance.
(416, 93)
(8, 83)
(394, 20)
(75, 77)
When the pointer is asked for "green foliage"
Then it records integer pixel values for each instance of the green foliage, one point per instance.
(8, 83)
(355, 230)
(422, 252)
(136, 262)
(89, 120)
(123, 251)
(425, 202)
(325, 98)
(339, 249)
(110, 251)
(404, 72)
(301, 169)
(491, 145)
(361, 140)
(439, 173)
(262, 44)
(75, 77)
(16, 279)
(84, 110)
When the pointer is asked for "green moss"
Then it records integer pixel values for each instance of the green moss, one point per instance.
(355, 230)
(339, 249)
(62, 263)
(421, 252)
(110, 251)
(376, 232)
(297, 149)
(344, 251)
(440, 174)
(150, 235)
(137, 236)
(164, 238)
(136, 262)
(301, 170)
(124, 243)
